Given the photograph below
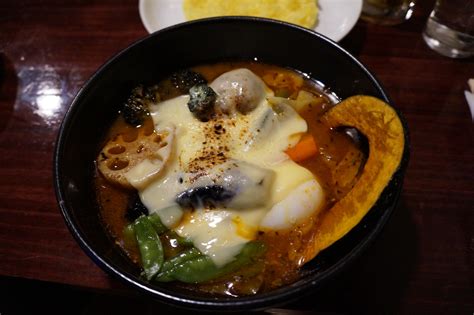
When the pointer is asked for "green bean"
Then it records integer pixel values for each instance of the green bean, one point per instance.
(149, 244)
(202, 268)
(155, 220)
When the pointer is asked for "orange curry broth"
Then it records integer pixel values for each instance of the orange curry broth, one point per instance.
(336, 166)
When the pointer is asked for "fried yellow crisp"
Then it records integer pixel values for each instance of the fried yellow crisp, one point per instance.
(300, 12)
(381, 125)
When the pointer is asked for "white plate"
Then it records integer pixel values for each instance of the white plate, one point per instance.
(336, 17)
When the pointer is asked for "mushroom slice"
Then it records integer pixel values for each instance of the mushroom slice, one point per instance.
(134, 163)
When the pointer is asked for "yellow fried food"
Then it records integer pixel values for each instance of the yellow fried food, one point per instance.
(301, 12)
(381, 125)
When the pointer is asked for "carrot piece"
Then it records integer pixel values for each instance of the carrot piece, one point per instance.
(304, 149)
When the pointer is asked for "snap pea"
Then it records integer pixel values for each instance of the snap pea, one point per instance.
(186, 242)
(149, 244)
(161, 228)
(157, 224)
(202, 268)
(170, 264)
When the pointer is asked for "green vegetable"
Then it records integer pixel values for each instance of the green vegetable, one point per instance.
(149, 244)
(171, 263)
(202, 268)
(155, 220)
(135, 108)
(182, 241)
(201, 101)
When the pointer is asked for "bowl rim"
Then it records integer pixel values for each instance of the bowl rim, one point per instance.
(275, 297)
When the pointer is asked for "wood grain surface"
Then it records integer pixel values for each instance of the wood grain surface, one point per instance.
(421, 264)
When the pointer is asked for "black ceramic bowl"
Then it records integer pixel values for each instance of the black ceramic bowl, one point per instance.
(181, 46)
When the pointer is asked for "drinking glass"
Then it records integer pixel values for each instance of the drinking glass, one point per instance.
(387, 12)
(450, 28)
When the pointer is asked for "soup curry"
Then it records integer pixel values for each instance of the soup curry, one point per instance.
(333, 157)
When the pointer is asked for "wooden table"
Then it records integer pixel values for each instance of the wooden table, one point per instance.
(422, 263)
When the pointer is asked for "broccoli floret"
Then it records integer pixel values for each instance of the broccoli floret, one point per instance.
(186, 79)
(201, 101)
(135, 108)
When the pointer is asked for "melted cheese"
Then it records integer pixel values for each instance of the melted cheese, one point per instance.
(259, 137)
(214, 233)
